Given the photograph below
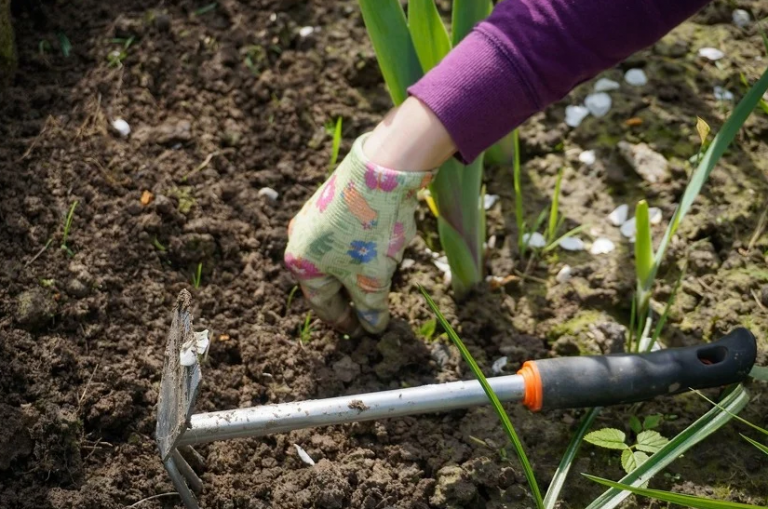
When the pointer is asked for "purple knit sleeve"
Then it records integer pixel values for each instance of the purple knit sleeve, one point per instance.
(531, 53)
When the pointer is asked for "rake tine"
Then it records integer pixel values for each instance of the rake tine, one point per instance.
(194, 458)
(187, 498)
(193, 480)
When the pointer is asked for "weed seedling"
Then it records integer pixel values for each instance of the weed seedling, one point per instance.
(305, 333)
(206, 9)
(67, 227)
(64, 44)
(647, 441)
(158, 245)
(290, 298)
(116, 57)
(427, 329)
(197, 277)
(335, 132)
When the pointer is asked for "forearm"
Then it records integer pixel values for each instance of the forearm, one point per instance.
(531, 53)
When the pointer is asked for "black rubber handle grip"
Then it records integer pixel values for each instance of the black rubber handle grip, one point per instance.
(574, 382)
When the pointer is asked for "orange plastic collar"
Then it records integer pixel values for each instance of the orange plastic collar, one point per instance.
(534, 392)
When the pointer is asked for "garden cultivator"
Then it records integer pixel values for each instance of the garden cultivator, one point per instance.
(540, 385)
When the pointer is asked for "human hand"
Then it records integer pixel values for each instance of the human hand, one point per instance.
(347, 240)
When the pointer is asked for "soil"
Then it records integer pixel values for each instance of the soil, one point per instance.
(225, 99)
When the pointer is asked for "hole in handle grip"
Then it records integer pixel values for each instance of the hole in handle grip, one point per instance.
(712, 355)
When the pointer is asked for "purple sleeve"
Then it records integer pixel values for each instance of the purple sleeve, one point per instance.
(531, 53)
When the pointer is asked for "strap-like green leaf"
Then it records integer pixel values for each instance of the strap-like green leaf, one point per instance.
(388, 30)
(466, 14)
(428, 33)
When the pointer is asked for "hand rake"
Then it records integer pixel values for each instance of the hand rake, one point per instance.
(569, 382)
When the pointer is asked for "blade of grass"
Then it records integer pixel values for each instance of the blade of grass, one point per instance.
(757, 444)
(674, 498)
(519, 218)
(554, 209)
(505, 421)
(68, 224)
(428, 33)
(690, 436)
(558, 480)
(665, 315)
(643, 255)
(740, 419)
(713, 154)
(570, 233)
(392, 42)
(335, 145)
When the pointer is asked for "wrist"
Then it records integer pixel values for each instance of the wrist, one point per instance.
(410, 138)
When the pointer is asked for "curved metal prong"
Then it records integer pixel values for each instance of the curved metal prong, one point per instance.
(189, 500)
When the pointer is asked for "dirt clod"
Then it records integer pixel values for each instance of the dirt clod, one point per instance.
(453, 488)
(34, 308)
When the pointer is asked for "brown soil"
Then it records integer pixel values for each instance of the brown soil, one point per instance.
(82, 333)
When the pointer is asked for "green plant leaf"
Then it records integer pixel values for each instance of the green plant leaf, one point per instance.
(505, 421)
(388, 31)
(643, 251)
(427, 329)
(635, 424)
(630, 459)
(428, 33)
(465, 15)
(652, 421)
(703, 129)
(651, 441)
(554, 211)
(558, 480)
(608, 438)
(336, 145)
(674, 498)
(710, 422)
(757, 444)
(713, 154)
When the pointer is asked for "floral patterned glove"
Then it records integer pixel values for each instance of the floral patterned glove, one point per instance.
(350, 236)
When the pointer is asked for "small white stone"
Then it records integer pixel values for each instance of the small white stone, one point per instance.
(121, 126)
(619, 215)
(722, 94)
(654, 215)
(564, 274)
(598, 104)
(407, 263)
(636, 77)
(534, 240)
(306, 31)
(304, 456)
(711, 53)
(489, 200)
(629, 228)
(273, 17)
(194, 348)
(442, 265)
(491, 244)
(498, 365)
(588, 157)
(602, 246)
(575, 114)
(572, 244)
(269, 193)
(741, 18)
(606, 85)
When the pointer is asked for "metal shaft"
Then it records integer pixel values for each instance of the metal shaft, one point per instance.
(271, 419)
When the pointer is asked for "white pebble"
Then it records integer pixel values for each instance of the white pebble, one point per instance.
(534, 240)
(498, 365)
(442, 265)
(722, 94)
(575, 114)
(489, 200)
(491, 244)
(304, 456)
(741, 18)
(619, 215)
(606, 85)
(270, 193)
(407, 263)
(588, 157)
(654, 215)
(636, 77)
(598, 104)
(564, 274)
(273, 17)
(194, 347)
(306, 31)
(629, 228)
(572, 244)
(602, 246)
(711, 53)
(121, 126)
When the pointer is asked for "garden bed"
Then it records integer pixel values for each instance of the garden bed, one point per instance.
(226, 99)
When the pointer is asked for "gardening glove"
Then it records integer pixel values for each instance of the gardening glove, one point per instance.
(350, 236)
